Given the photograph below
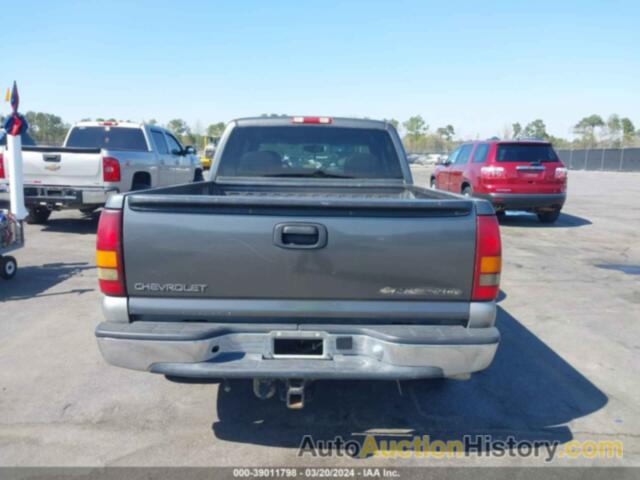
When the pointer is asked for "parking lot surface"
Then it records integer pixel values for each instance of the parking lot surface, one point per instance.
(567, 367)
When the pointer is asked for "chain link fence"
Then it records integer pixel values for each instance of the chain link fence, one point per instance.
(606, 159)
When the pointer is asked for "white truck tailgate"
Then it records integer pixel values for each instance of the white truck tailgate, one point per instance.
(62, 168)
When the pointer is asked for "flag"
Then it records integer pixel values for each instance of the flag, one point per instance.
(7, 97)
(15, 124)
(15, 98)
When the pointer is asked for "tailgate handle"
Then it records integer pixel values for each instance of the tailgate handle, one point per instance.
(305, 236)
(300, 230)
(51, 157)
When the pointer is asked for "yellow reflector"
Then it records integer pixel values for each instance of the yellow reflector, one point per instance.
(106, 259)
(490, 264)
(107, 274)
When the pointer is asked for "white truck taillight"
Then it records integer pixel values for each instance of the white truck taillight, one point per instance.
(110, 169)
(488, 262)
(561, 173)
(2, 174)
(109, 254)
(491, 172)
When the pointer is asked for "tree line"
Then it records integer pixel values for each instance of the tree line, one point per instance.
(50, 129)
(590, 132)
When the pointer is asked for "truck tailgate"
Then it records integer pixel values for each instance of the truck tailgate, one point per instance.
(62, 166)
(390, 251)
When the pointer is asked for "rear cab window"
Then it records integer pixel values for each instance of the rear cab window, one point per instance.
(310, 151)
(525, 153)
(108, 137)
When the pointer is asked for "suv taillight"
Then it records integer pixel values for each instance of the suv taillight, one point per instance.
(486, 276)
(491, 172)
(561, 173)
(110, 169)
(2, 174)
(109, 254)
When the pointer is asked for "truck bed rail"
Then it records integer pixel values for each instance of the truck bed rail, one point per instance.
(360, 201)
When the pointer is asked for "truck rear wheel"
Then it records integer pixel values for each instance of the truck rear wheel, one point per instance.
(8, 267)
(549, 217)
(88, 210)
(38, 215)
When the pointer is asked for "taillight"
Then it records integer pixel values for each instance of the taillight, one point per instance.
(492, 172)
(486, 276)
(322, 120)
(2, 174)
(109, 254)
(561, 173)
(110, 169)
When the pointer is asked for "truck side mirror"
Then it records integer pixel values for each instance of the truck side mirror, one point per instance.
(189, 150)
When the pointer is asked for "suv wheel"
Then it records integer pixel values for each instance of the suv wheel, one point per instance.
(549, 217)
(38, 215)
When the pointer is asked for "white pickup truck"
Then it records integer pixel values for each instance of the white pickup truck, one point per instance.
(100, 159)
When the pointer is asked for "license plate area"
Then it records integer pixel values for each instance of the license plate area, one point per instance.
(298, 347)
(310, 345)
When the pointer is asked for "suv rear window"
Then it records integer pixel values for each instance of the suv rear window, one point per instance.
(306, 151)
(525, 152)
(112, 138)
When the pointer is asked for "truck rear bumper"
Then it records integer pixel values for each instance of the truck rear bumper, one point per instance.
(516, 201)
(391, 352)
(55, 196)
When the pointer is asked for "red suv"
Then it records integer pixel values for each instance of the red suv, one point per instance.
(513, 175)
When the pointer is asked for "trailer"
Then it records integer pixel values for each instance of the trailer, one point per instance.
(11, 238)
(11, 220)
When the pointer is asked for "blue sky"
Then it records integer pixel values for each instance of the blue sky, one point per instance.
(477, 65)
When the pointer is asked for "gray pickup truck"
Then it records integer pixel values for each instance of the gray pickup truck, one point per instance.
(309, 254)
